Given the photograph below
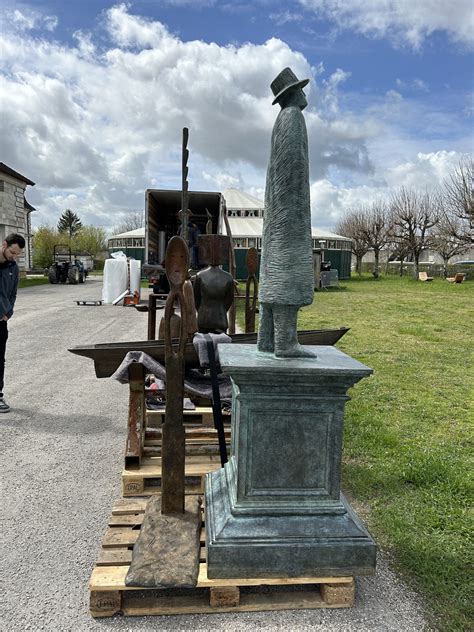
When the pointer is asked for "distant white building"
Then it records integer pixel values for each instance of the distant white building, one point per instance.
(15, 211)
(245, 214)
(132, 243)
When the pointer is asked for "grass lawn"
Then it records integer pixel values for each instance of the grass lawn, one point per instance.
(29, 282)
(408, 429)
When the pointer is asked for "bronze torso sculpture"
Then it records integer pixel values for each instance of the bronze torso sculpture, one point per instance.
(286, 271)
(213, 287)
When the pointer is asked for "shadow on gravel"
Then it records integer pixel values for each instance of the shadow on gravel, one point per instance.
(46, 423)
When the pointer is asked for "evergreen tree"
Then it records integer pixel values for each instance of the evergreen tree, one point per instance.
(69, 223)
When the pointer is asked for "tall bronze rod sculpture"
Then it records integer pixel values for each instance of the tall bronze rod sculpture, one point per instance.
(251, 301)
(173, 434)
(184, 187)
(189, 307)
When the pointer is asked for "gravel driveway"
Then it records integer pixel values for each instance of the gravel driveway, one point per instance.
(62, 454)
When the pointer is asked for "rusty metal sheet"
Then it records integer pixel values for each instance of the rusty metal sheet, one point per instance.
(173, 437)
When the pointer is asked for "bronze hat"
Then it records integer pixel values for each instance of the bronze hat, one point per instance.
(285, 81)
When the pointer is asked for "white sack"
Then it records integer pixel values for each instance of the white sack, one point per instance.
(135, 273)
(115, 279)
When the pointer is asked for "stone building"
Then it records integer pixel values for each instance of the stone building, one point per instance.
(15, 211)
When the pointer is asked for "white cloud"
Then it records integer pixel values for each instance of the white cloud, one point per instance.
(221, 181)
(104, 125)
(50, 22)
(426, 171)
(329, 202)
(23, 21)
(412, 85)
(285, 17)
(27, 19)
(128, 30)
(404, 22)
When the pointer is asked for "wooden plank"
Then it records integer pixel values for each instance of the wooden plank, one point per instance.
(205, 582)
(120, 537)
(199, 604)
(201, 415)
(151, 490)
(115, 557)
(129, 506)
(206, 449)
(105, 578)
(190, 431)
(199, 410)
(108, 578)
(126, 520)
(199, 459)
(136, 414)
(141, 487)
(150, 470)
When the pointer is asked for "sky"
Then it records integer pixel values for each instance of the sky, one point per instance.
(94, 96)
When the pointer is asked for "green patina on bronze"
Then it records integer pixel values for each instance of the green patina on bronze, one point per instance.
(276, 508)
(286, 269)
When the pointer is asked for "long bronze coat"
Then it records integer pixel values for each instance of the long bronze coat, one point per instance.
(286, 269)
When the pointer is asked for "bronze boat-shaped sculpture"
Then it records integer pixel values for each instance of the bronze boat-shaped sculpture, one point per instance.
(108, 356)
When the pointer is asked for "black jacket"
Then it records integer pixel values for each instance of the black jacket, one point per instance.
(8, 285)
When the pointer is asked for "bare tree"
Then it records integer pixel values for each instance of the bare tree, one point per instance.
(413, 216)
(132, 221)
(354, 225)
(450, 237)
(378, 230)
(459, 197)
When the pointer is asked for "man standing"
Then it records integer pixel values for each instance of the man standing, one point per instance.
(286, 269)
(12, 247)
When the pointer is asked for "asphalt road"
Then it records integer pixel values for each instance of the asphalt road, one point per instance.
(62, 454)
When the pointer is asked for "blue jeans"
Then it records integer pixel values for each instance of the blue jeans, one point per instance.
(3, 346)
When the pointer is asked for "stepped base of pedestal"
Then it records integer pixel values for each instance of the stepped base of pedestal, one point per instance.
(282, 546)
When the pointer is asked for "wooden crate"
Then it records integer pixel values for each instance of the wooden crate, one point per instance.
(109, 595)
(202, 456)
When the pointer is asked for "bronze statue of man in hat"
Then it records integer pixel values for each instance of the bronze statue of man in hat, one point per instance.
(286, 269)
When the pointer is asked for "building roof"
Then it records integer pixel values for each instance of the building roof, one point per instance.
(246, 226)
(14, 174)
(138, 232)
(235, 199)
(252, 227)
(28, 205)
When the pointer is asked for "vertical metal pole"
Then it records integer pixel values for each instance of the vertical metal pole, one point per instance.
(184, 186)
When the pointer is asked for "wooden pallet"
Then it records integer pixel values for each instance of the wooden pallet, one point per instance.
(202, 456)
(109, 595)
(201, 415)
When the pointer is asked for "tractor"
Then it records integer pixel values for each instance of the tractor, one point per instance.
(65, 268)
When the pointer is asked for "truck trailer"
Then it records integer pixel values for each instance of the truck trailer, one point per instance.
(162, 221)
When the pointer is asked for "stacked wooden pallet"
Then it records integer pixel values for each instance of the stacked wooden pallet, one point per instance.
(109, 595)
(202, 453)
